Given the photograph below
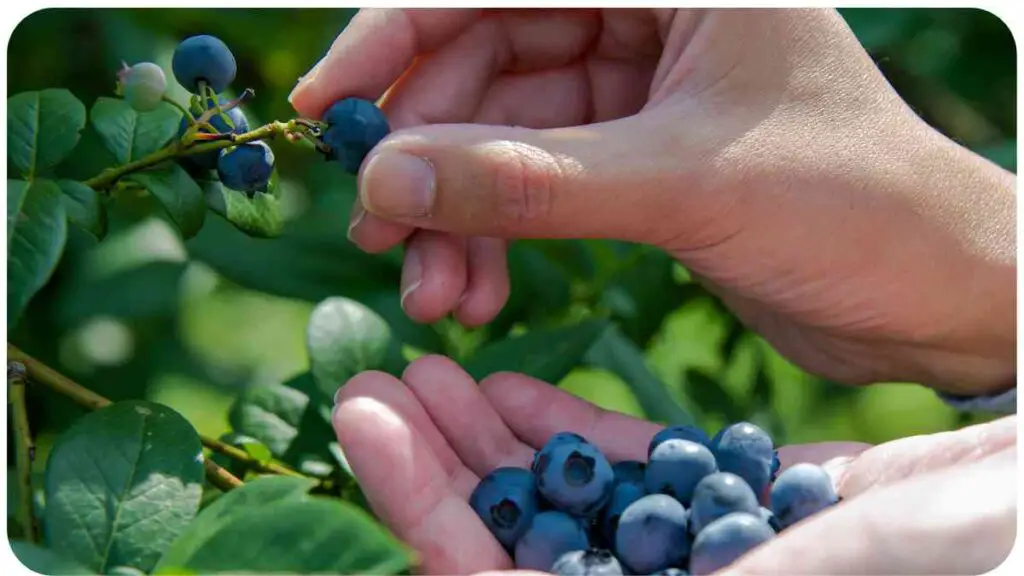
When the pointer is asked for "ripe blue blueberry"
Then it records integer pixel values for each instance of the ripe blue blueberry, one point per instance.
(676, 466)
(719, 494)
(671, 572)
(687, 432)
(574, 476)
(557, 438)
(246, 167)
(769, 517)
(143, 86)
(239, 125)
(726, 539)
(506, 501)
(203, 58)
(800, 491)
(550, 535)
(354, 127)
(747, 451)
(624, 494)
(629, 471)
(652, 534)
(592, 562)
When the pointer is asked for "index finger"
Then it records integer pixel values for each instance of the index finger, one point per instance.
(373, 52)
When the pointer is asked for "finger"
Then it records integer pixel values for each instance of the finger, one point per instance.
(958, 520)
(405, 483)
(464, 416)
(374, 234)
(899, 459)
(451, 84)
(487, 282)
(386, 390)
(535, 410)
(611, 180)
(373, 51)
(434, 275)
(834, 457)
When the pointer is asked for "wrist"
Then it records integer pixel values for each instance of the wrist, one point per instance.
(968, 214)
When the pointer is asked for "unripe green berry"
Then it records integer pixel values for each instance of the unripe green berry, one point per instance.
(143, 86)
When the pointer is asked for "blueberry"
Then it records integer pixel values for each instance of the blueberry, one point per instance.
(799, 492)
(354, 127)
(726, 539)
(592, 562)
(143, 86)
(624, 494)
(747, 451)
(575, 477)
(246, 167)
(671, 572)
(506, 501)
(550, 535)
(719, 494)
(687, 432)
(203, 58)
(629, 471)
(240, 125)
(676, 466)
(652, 534)
(557, 438)
(769, 517)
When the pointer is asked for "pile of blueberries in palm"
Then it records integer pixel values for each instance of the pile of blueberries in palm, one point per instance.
(697, 504)
(206, 67)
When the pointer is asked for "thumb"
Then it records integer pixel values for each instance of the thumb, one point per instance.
(617, 180)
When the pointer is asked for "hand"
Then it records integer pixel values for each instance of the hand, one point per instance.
(762, 148)
(944, 503)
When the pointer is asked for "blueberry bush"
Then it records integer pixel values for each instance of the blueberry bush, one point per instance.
(182, 303)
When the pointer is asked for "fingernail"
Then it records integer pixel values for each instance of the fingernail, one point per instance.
(398, 185)
(412, 274)
(337, 395)
(358, 213)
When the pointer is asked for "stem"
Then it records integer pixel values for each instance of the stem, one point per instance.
(108, 177)
(173, 102)
(24, 450)
(86, 398)
(220, 477)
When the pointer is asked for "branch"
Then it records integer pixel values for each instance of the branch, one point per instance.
(107, 178)
(24, 450)
(43, 374)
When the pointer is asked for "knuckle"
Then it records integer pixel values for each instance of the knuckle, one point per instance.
(525, 180)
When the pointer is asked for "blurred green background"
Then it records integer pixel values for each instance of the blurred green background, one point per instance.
(191, 324)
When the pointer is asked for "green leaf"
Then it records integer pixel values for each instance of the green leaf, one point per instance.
(343, 338)
(45, 561)
(42, 129)
(313, 536)
(547, 355)
(132, 135)
(711, 396)
(292, 419)
(37, 231)
(151, 290)
(260, 216)
(257, 493)
(179, 194)
(643, 294)
(620, 356)
(83, 207)
(121, 484)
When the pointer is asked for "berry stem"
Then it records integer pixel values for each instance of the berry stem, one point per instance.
(108, 178)
(188, 115)
(17, 377)
(43, 374)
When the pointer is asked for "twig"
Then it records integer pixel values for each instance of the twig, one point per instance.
(25, 450)
(173, 102)
(220, 477)
(43, 374)
(108, 177)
